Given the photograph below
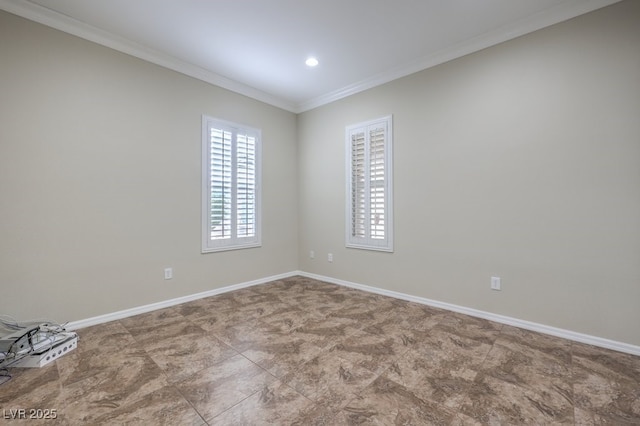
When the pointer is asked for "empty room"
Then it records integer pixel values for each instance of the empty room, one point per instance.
(275, 212)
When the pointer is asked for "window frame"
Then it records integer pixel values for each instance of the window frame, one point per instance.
(233, 242)
(368, 242)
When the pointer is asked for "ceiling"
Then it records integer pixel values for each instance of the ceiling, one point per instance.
(258, 47)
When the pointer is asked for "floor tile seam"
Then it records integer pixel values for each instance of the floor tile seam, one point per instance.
(481, 368)
(209, 422)
(61, 385)
(246, 394)
(282, 383)
(193, 374)
(260, 367)
(164, 373)
(212, 421)
(177, 389)
(228, 344)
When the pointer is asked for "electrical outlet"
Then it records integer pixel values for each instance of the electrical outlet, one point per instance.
(312, 254)
(168, 273)
(495, 283)
(330, 257)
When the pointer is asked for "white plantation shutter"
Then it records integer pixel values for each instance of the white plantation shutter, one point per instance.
(246, 186)
(369, 172)
(377, 181)
(219, 194)
(358, 187)
(231, 190)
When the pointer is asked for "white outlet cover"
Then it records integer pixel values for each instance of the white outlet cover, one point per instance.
(495, 283)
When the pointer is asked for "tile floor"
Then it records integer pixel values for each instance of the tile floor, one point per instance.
(304, 352)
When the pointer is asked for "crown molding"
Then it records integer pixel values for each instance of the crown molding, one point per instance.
(50, 18)
(511, 31)
(58, 21)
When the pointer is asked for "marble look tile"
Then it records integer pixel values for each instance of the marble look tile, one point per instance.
(125, 383)
(185, 350)
(287, 318)
(275, 404)
(223, 385)
(432, 379)
(150, 335)
(244, 335)
(281, 354)
(327, 332)
(386, 402)
(325, 355)
(375, 353)
(329, 380)
(144, 325)
(607, 384)
(526, 341)
(607, 362)
(263, 309)
(319, 306)
(80, 365)
(449, 352)
(587, 418)
(314, 415)
(249, 298)
(221, 319)
(285, 285)
(207, 306)
(162, 407)
(394, 324)
(32, 388)
(470, 327)
(525, 367)
(407, 316)
(463, 420)
(327, 293)
(494, 401)
(109, 336)
(363, 315)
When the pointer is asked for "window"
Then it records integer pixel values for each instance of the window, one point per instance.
(230, 185)
(369, 188)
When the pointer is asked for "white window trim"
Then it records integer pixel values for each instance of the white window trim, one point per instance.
(235, 242)
(368, 243)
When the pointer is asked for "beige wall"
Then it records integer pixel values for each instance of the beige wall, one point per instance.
(100, 179)
(521, 161)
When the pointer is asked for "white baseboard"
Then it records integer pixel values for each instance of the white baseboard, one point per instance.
(75, 325)
(528, 325)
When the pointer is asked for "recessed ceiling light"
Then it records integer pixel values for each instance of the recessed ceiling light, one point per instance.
(311, 62)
